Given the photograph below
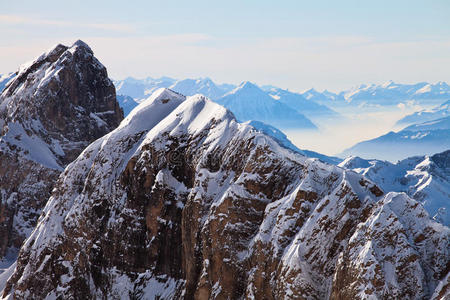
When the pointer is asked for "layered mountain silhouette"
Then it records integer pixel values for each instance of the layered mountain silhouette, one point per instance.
(182, 200)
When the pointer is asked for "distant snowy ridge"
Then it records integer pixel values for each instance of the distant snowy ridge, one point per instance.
(249, 102)
(309, 108)
(140, 89)
(424, 178)
(437, 112)
(418, 139)
(204, 86)
(388, 93)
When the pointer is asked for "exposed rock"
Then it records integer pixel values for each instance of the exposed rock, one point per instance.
(53, 108)
(183, 202)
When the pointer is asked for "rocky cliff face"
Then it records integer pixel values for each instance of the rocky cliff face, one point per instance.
(183, 202)
(53, 108)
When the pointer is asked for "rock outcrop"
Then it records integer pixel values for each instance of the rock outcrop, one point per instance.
(49, 112)
(183, 202)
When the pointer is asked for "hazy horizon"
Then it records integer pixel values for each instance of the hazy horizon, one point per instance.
(296, 46)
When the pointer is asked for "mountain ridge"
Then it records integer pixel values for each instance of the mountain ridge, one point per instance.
(217, 214)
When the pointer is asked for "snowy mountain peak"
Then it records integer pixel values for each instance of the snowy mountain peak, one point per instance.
(354, 162)
(247, 88)
(249, 102)
(388, 84)
(56, 106)
(198, 204)
(248, 85)
(152, 110)
(311, 90)
(165, 95)
(81, 44)
(51, 95)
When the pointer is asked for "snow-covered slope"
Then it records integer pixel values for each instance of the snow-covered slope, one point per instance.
(249, 102)
(204, 86)
(55, 106)
(425, 115)
(141, 88)
(191, 205)
(418, 139)
(424, 178)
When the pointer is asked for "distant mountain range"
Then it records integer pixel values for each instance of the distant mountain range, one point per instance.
(50, 112)
(424, 178)
(437, 112)
(143, 88)
(272, 105)
(418, 139)
(311, 109)
(179, 200)
(127, 103)
(389, 93)
(249, 102)
(204, 86)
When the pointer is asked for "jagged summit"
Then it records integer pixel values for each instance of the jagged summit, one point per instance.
(197, 204)
(65, 93)
(54, 107)
(80, 43)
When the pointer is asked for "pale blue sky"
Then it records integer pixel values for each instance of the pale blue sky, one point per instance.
(292, 44)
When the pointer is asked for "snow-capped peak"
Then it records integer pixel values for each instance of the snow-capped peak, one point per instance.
(80, 43)
(152, 110)
(387, 84)
(28, 103)
(247, 87)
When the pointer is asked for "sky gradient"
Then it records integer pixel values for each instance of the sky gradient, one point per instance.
(291, 44)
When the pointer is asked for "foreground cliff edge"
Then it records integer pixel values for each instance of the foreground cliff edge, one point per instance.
(50, 112)
(181, 202)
